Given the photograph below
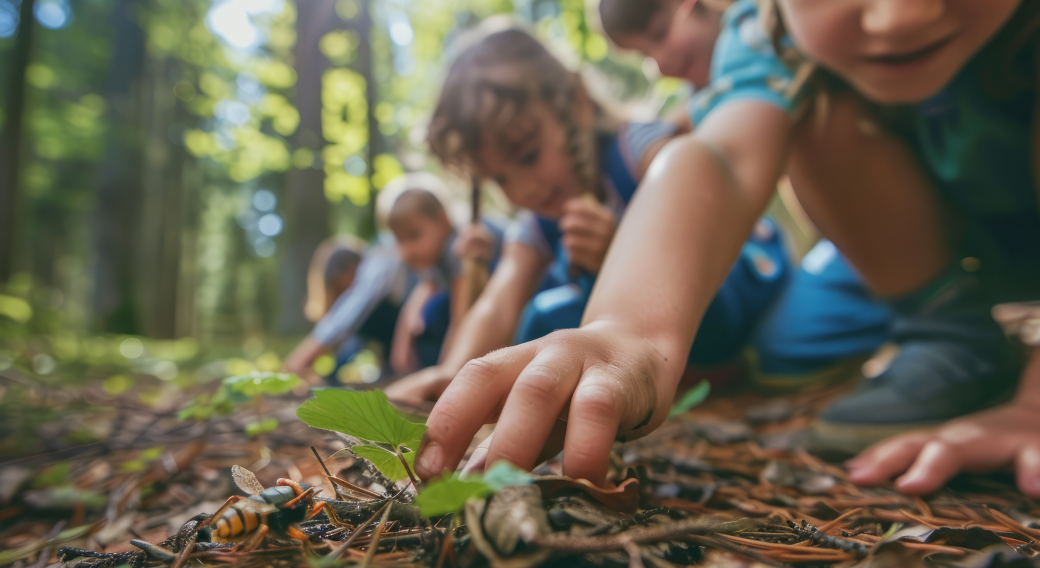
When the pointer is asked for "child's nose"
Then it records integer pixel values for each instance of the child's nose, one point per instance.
(894, 17)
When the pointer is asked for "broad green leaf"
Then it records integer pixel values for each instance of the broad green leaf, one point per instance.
(385, 461)
(692, 398)
(503, 474)
(448, 495)
(365, 415)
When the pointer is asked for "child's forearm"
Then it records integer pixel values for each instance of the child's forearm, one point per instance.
(698, 213)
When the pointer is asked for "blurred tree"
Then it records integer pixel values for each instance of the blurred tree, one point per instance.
(120, 177)
(307, 210)
(11, 140)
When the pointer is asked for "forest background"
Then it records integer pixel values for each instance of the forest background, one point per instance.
(167, 167)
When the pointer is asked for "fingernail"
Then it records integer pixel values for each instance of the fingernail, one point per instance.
(476, 461)
(907, 482)
(428, 460)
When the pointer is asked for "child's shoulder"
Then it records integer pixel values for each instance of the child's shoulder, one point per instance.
(745, 65)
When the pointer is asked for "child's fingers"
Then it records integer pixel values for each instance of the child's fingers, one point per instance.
(478, 459)
(1027, 469)
(593, 420)
(473, 396)
(588, 223)
(886, 459)
(937, 463)
(534, 403)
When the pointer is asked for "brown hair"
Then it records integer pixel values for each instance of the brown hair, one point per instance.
(491, 87)
(625, 17)
(333, 257)
(415, 200)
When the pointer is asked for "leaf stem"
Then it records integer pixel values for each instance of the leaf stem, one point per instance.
(404, 462)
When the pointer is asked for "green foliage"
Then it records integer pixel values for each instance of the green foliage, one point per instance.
(261, 427)
(692, 398)
(368, 416)
(240, 390)
(387, 462)
(449, 494)
(365, 415)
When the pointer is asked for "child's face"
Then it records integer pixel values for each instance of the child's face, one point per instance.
(420, 239)
(533, 167)
(895, 51)
(681, 42)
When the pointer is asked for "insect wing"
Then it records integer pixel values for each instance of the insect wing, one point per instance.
(245, 480)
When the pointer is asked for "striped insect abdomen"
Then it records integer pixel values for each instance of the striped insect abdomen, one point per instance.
(235, 522)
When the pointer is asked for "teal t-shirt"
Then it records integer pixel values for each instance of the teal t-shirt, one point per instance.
(977, 149)
(744, 65)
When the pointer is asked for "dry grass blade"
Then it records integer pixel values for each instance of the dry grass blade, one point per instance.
(354, 536)
(828, 526)
(375, 537)
(1032, 534)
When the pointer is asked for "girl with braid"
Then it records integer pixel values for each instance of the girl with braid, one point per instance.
(940, 97)
(511, 112)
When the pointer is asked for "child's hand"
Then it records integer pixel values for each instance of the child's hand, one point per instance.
(588, 227)
(475, 241)
(420, 387)
(600, 381)
(1003, 437)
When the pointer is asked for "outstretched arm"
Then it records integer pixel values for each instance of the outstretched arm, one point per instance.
(616, 376)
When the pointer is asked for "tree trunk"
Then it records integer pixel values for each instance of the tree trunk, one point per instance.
(307, 212)
(159, 255)
(10, 141)
(363, 22)
(119, 179)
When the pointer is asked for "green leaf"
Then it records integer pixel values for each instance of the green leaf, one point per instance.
(503, 474)
(449, 494)
(692, 398)
(386, 461)
(256, 384)
(261, 427)
(365, 415)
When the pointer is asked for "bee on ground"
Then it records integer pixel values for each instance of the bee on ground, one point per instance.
(276, 508)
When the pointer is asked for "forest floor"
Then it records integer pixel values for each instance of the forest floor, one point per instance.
(726, 484)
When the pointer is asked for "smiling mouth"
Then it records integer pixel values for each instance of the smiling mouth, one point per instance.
(910, 56)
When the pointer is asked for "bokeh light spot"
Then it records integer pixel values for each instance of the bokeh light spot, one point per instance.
(131, 348)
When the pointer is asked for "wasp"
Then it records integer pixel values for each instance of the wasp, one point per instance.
(276, 508)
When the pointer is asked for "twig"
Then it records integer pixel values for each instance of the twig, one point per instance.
(1032, 534)
(355, 488)
(375, 538)
(350, 541)
(188, 549)
(635, 556)
(842, 517)
(328, 474)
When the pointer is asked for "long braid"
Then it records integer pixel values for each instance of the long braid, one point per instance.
(581, 145)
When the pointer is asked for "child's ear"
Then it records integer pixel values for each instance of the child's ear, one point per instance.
(583, 105)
